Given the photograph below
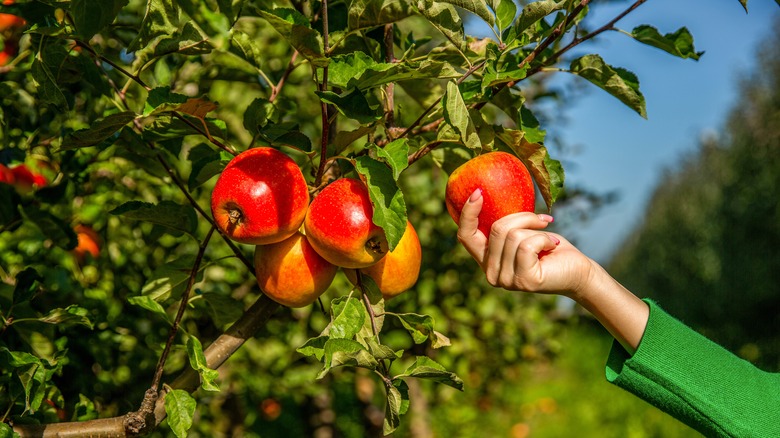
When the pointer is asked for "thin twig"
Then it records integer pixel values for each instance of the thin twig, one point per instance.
(390, 88)
(182, 307)
(278, 88)
(324, 106)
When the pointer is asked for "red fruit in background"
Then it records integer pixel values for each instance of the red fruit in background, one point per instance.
(26, 179)
(291, 273)
(10, 21)
(505, 182)
(6, 176)
(89, 242)
(399, 269)
(261, 197)
(339, 227)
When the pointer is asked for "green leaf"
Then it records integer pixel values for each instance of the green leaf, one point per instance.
(352, 104)
(198, 363)
(296, 29)
(26, 285)
(180, 407)
(244, 47)
(90, 17)
(7, 432)
(188, 41)
(744, 4)
(376, 301)
(175, 217)
(348, 317)
(258, 114)
(679, 43)
(386, 197)
(456, 114)
(204, 169)
(346, 138)
(54, 228)
(314, 347)
(359, 70)
(535, 11)
(529, 124)
(421, 329)
(444, 17)
(70, 315)
(163, 97)
(99, 131)
(508, 73)
(395, 154)
(346, 352)
(397, 403)
(505, 13)
(478, 7)
(17, 359)
(160, 20)
(148, 303)
(618, 82)
(364, 14)
(426, 368)
(48, 90)
(170, 280)
(547, 173)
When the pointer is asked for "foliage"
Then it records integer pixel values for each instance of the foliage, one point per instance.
(129, 109)
(707, 250)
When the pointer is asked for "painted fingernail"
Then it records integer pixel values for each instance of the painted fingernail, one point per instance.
(554, 239)
(546, 218)
(476, 195)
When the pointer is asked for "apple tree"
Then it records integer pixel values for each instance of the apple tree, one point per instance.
(121, 296)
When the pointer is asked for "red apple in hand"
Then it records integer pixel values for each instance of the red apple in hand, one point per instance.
(261, 197)
(505, 182)
(291, 273)
(339, 226)
(399, 269)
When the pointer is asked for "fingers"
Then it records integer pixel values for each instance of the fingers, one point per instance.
(511, 260)
(468, 232)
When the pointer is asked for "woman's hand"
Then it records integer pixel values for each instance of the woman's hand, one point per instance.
(519, 255)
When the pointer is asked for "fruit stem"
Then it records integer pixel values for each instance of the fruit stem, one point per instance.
(234, 215)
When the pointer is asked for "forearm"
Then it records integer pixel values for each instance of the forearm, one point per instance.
(621, 312)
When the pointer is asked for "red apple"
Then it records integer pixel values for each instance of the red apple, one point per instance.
(26, 179)
(399, 269)
(261, 197)
(89, 242)
(339, 226)
(6, 176)
(291, 273)
(505, 182)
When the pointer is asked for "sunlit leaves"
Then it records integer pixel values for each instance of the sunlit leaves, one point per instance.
(296, 29)
(386, 197)
(426, 368)
(679, 43)
(161, 19)
(547, 172)
(456, 114)
(180, 407)
(616, 81)
(198, 363)
(535, 11)
(359, 70)
(372, 13)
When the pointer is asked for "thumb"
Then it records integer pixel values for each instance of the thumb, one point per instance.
(469, 234)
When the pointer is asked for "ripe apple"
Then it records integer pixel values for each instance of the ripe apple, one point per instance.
(505, 182)
(26, 179)
(291, 273)
(89, 242)
(261, 197)
(399, 269)
(6, 176)
(339, 227)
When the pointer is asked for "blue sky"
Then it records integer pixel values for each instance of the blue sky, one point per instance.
(617, 150)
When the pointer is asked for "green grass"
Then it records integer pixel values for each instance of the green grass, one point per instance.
(565, 397)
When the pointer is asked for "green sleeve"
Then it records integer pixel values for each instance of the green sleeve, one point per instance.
(697, 381)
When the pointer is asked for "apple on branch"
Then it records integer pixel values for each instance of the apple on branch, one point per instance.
(340, 228)
(291, 273)
(399, 269)
(505, 183)
(260, 197)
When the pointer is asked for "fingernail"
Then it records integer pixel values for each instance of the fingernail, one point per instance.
(476, 195)
(546, 218)
(554, 239)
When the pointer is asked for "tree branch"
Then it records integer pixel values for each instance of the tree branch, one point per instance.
(324, 106)
(216, 354)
